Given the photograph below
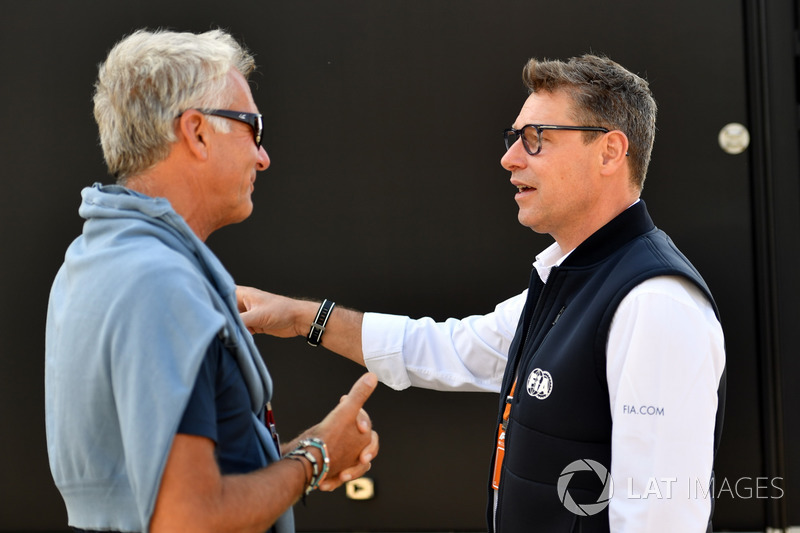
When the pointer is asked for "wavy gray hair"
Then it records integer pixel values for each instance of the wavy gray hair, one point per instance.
(151, 77)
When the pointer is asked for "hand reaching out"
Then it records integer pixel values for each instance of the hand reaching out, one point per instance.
(264, 312)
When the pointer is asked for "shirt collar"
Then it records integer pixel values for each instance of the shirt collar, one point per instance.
(553, 256)
(550, 257)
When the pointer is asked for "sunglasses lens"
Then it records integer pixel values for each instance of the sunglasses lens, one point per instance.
(258, 130)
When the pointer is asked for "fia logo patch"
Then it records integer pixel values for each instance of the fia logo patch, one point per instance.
(540, 383)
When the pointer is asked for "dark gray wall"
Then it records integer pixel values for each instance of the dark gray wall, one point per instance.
(385, 193)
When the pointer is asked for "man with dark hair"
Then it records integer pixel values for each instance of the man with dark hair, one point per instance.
(612, 361)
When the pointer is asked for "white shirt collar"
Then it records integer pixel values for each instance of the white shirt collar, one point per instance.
(549, 257)
(553, 256)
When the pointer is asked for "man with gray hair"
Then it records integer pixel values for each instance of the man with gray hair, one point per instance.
(157, 400)
(612, 361)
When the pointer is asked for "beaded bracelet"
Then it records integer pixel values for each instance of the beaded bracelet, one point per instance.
(299, 452)
(317, 475)
(320, 445)
(299, 460)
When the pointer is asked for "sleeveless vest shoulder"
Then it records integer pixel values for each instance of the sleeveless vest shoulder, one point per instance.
(560, 409)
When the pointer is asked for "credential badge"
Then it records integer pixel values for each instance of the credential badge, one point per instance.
(540, 383)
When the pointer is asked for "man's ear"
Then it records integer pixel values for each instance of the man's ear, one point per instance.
(193, 129)
(615, 151)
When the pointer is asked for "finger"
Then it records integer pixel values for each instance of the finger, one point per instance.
(361, 391)
(331, 484)
(363, 421)
(240, 296)
(248, 319)
(344, 476)
(370, 451)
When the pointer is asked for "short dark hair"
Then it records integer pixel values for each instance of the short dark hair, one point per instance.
(605, 94)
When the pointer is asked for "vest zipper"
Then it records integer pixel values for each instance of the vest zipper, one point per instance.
(537, 311)
(558, 316)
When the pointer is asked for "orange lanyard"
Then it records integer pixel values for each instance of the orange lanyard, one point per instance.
(501, 439)
(507, 410)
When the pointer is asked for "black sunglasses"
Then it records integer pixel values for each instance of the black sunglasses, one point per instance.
(531, 135)
(253, 119)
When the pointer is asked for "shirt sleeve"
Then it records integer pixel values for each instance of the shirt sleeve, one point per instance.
(200, 415)
(665, 360)
(469, 354)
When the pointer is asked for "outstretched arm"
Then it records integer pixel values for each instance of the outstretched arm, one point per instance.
(264, 312)
(469, 354)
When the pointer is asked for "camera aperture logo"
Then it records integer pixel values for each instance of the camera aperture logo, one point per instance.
(658, 488)
(585, 509)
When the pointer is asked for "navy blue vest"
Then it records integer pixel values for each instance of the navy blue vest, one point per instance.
(559, 351)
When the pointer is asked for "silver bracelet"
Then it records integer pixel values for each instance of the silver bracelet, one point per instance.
(317, 475)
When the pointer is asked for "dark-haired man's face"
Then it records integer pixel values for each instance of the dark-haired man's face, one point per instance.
(557, 189)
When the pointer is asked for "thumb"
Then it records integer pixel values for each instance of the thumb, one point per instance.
(245, 316)
(240, 298)
(361, 390)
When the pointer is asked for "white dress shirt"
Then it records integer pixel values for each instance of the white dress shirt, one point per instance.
(665, 358)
